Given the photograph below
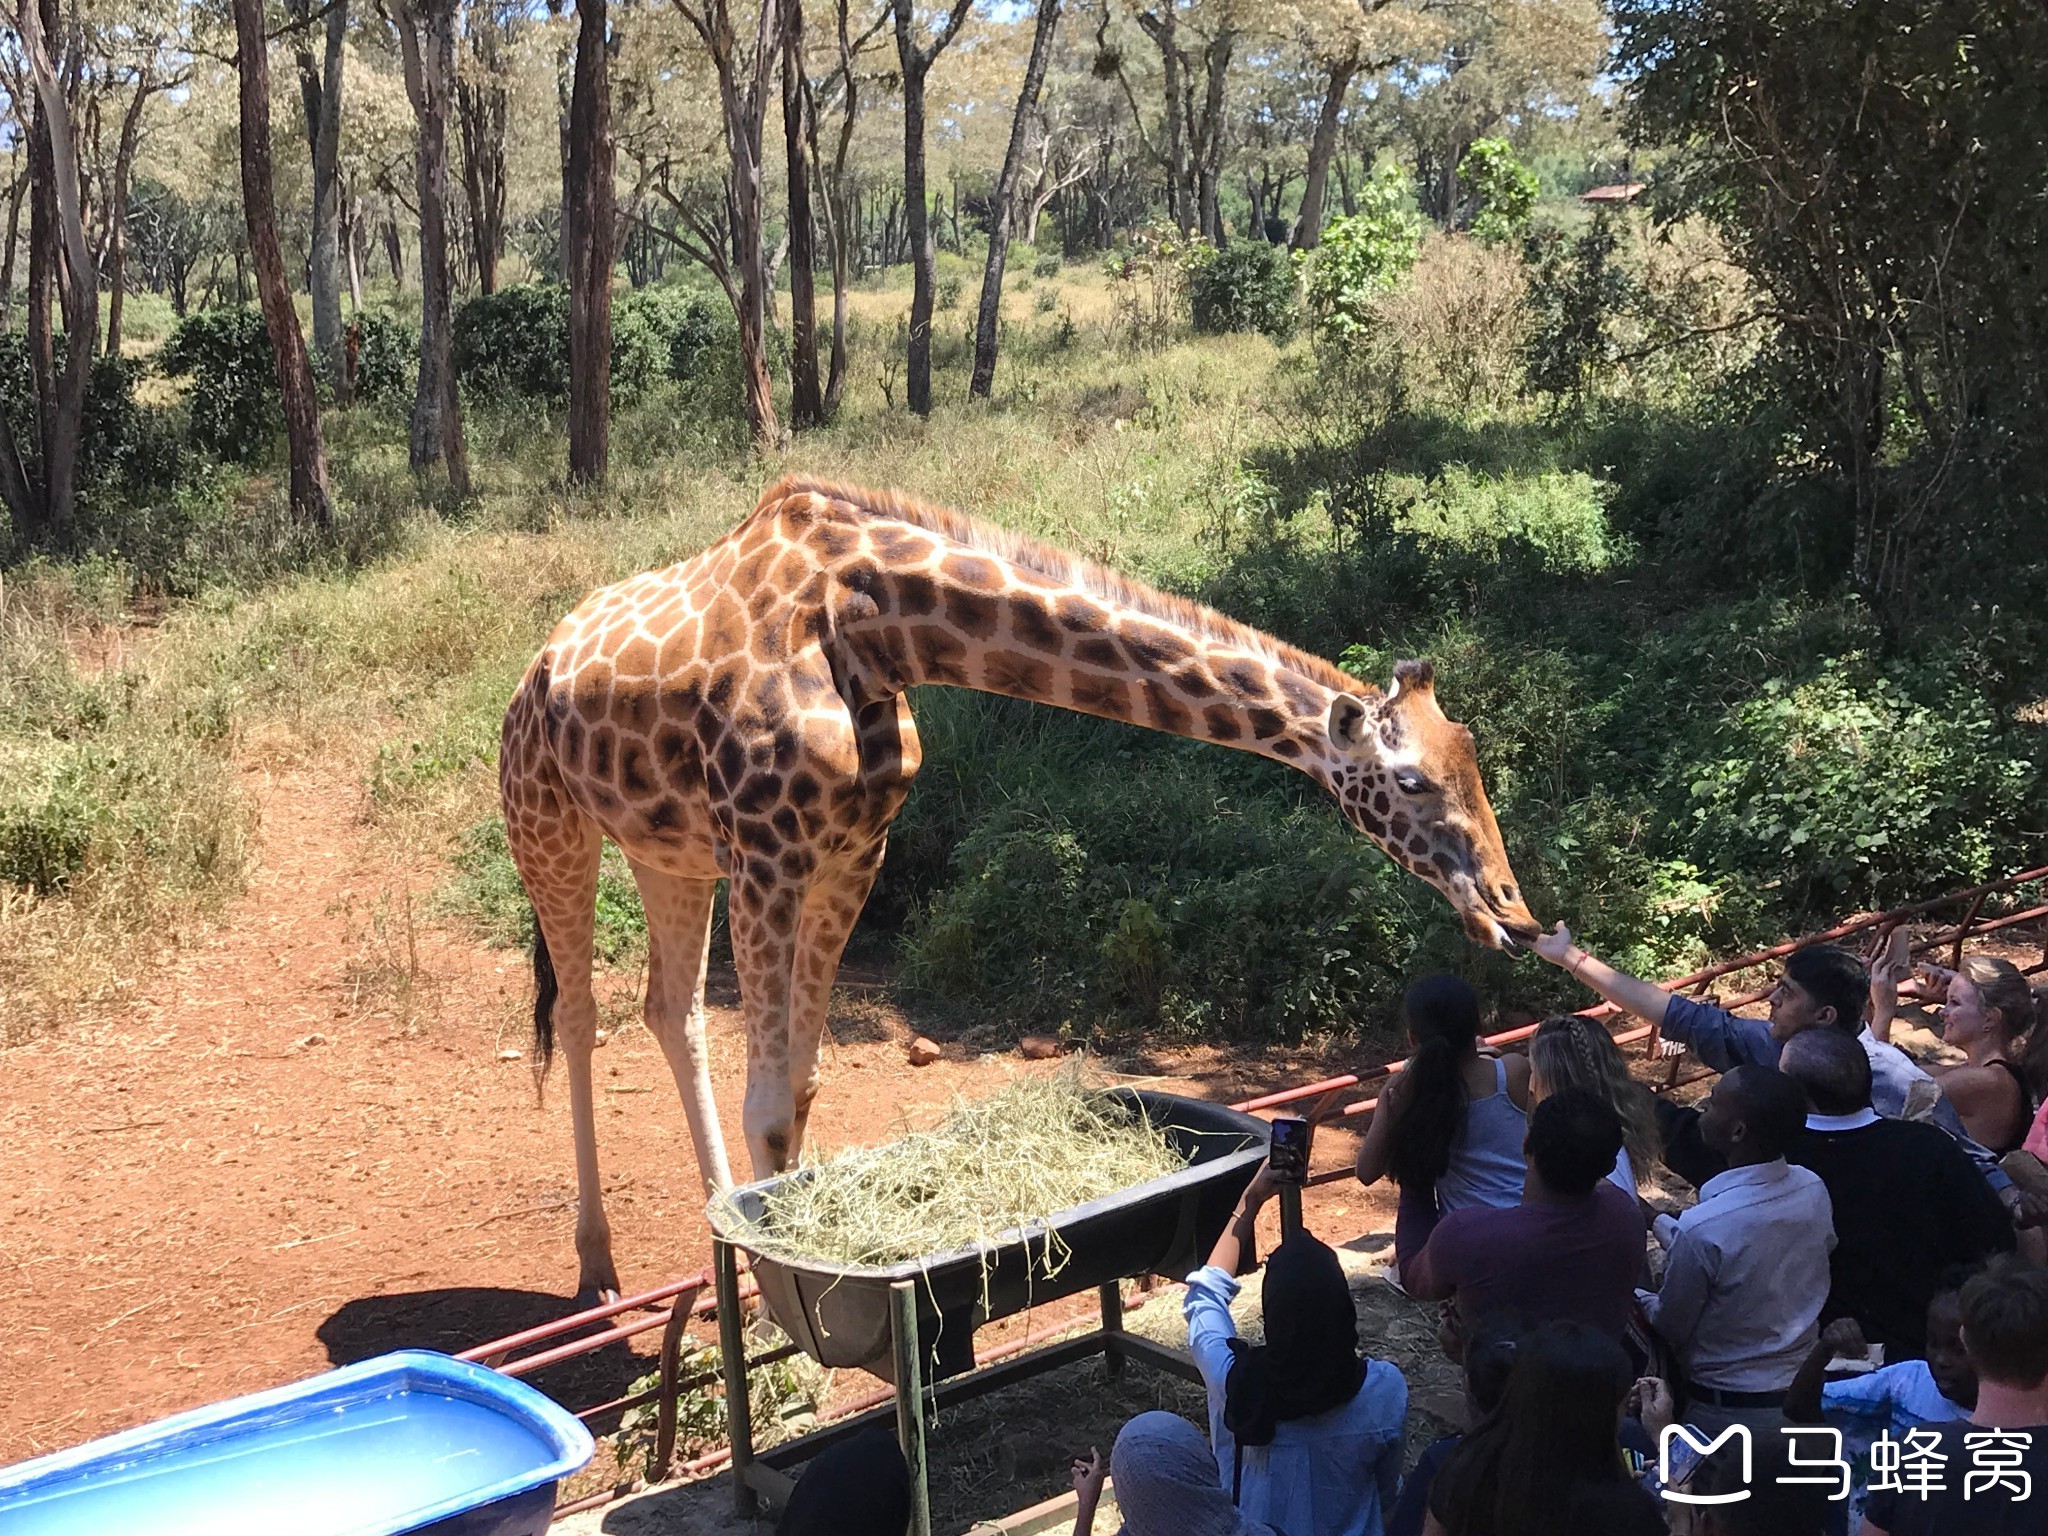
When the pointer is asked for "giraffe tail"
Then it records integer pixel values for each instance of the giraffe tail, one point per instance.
(544, 990)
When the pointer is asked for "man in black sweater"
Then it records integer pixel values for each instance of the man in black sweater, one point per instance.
(1908, 1203)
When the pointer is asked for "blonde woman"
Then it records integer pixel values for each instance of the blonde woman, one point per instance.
(1574, 1052)
(1987, 1009)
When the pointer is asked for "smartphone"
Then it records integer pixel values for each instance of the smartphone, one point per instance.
(1288, 1153)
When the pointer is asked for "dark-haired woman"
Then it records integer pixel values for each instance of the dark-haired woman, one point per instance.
(1307, 1434)
(1450, 1125)
(1538, 1464)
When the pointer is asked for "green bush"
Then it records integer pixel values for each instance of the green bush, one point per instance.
(661, 333)
(1248, 285)
(1047, 266)
(947, 295)
(232, 401)
(387, 358)
(1855, 787)
(1503, 188)
(1363, 254)
(1577, 290)
(515, 342)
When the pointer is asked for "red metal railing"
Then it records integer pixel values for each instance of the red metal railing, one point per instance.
(671, 1307)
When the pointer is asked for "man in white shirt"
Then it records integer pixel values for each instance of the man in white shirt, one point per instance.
(1747, 1274)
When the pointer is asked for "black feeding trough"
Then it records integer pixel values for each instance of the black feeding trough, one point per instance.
(840, 1314)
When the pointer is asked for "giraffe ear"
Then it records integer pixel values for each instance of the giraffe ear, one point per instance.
(1350, 721)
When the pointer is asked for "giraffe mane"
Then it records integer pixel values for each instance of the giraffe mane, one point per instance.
(1063, 566)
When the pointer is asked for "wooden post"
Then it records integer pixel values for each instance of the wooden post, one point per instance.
(732, 1359)
(1113, 1327)
(909, 1400)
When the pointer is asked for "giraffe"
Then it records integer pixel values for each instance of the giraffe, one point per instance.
(742, 715)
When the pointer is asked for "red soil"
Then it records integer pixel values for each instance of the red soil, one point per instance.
(298, 1145)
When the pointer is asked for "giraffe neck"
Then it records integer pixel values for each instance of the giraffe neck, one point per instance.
(968, 618)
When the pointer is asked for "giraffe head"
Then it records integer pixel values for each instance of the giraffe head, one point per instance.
(1408, 778)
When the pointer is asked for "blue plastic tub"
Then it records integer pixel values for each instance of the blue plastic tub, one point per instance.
(409, 1442)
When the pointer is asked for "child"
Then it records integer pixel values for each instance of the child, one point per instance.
(1899, 1397)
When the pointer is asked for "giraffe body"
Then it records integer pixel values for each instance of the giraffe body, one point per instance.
(741, 715)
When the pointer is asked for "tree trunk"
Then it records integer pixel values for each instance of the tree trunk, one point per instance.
(427, 44)
(1308, 223)
(309, 495)
(42, 260)
(16, 191)
(587, 233)
(1163, 29)
(918, 210)
(320, 91)
(806, 404)
(984, 377)
(481, 107)
(1212, 135)
(60, 400)
(117, 209)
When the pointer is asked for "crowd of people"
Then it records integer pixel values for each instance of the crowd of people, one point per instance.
(1844, 1333)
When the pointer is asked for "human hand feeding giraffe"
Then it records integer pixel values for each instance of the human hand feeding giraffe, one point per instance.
(742, 715)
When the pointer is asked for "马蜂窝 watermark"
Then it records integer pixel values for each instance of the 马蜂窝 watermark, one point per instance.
(1914, 1466)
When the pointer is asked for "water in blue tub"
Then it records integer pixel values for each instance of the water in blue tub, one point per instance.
(342, 1469)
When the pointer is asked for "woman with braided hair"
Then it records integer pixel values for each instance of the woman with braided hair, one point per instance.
(1987, 1012)
(1577, 1052)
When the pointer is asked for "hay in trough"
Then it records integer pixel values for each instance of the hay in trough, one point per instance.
(1035, 1148)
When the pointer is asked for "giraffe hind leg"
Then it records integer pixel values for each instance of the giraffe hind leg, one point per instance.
(557, 856)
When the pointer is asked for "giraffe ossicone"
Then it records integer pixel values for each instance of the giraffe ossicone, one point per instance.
(741, 715)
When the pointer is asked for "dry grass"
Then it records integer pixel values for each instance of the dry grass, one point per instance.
(1034, 1148)
(1459, 323)
(130, 735)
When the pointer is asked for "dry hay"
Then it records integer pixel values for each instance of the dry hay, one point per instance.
(1034, 1148)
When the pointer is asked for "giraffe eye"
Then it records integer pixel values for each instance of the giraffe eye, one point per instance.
(1414, 783)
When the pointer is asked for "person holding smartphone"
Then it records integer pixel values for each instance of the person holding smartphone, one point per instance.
(1307, 1434)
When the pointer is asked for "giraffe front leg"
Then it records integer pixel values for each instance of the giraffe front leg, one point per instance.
(831, 908)
(764, 921)
(678, 944)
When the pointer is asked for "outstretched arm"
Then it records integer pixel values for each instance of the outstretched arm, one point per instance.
(1719, 1038)
(1645, 999)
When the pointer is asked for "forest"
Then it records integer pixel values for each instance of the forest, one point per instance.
(1670, 373)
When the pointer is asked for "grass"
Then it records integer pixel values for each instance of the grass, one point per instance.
(123, 719)
(1047, 867)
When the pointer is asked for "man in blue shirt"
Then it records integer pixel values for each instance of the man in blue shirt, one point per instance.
(1821, 987)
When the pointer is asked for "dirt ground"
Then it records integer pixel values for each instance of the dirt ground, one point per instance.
(297, 1145)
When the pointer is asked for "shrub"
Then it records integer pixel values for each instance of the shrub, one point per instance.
(1363, 254)
(233, 404)
(387, 358)
(1457, 327)
(947, 294)
(1248, 285)
(1503, 189)
(1149, 281)
(1847, 788)
(1047, 266)
(515, 342)
(1577, 289)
